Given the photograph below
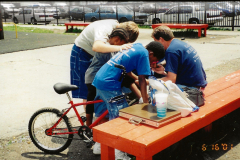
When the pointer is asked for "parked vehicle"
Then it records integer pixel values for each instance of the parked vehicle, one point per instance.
(58, 13)
(158, 7)
(187, 14)
(78, 12)
(38, 5)
(34, 16)
(8, 10)
(4, 12)
(225, 7)
(121, 13)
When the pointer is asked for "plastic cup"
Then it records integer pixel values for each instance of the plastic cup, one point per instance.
(161, 105)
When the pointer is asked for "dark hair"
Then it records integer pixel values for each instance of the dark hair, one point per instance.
(157, 48)
(121, 33)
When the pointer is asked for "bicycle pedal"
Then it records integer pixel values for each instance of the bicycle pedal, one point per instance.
(84, 119)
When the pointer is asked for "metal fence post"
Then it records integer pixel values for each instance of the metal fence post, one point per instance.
(155, 10)
(83, 14)
(1, 25)
(45, 15)
(205, 13)
(57, 15)
(116, 11)
(233, 16)
(99, 12)
(69, 12)
(23, 17)
(178, 13)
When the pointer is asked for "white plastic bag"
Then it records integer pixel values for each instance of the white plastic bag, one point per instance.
(177, 100)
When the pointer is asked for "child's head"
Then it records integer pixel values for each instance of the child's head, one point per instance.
(156, 51)
(119, 36)
(132, 29)
(162, 31)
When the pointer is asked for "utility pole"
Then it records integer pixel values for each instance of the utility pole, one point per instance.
(1, 25)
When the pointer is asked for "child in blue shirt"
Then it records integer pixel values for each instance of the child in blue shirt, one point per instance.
(107, 80)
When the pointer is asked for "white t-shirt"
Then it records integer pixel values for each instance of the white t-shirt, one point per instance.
(98, 30)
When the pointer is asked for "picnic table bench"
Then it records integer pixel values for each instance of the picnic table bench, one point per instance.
(75, 24)
(188, 26)
(143, 141)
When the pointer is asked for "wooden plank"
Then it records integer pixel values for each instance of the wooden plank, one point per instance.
(222, 83)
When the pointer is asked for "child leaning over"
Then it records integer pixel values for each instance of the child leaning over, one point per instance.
(119, 36)
(107, 78)
(107, 81)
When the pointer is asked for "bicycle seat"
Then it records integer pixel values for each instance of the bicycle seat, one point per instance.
(62, 88)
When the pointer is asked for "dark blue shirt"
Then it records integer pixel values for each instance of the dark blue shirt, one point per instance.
(183, 60)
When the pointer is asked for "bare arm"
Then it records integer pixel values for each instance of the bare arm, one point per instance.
(100, 46)
(132, 75)
(143, 88)
(170, 76)
(159, 69)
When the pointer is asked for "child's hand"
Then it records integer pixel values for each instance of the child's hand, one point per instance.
(159, 69)
(125, 46)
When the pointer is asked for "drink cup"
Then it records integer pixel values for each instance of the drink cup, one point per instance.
(161, 105)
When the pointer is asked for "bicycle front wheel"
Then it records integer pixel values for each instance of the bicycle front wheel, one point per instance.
(44, 119)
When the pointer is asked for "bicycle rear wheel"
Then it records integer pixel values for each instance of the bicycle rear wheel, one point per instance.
(44, 119)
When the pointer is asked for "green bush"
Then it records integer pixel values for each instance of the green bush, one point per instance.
(219, 29)
(74, 30)
(144, 26)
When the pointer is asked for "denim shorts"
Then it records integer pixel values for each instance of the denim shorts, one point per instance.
(113, 102)
(79, 63)
(180, 86)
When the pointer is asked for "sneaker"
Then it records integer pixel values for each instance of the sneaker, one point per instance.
(119, 155)
(97, 148)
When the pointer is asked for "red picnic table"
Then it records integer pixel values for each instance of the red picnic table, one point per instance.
(75, 24)
(188, 26)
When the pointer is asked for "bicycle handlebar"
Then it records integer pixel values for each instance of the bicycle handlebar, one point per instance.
(122, 68)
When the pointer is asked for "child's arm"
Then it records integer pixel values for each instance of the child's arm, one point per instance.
(100, 46)
(143, 88)
(132, 75)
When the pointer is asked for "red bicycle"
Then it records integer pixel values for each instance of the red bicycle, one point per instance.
(50, 129)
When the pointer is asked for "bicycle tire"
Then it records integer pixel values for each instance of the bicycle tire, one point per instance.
(44, 119)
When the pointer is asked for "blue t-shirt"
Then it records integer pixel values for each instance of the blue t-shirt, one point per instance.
(183, 60)
(107, 78)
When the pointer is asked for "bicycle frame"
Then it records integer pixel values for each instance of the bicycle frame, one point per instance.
(50, 131)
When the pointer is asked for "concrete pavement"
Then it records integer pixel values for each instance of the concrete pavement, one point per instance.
(28, 76)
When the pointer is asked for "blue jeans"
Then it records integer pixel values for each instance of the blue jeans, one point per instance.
(79, 63)
(113, 102)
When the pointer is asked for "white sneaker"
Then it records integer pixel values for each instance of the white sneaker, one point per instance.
(97, 148)
(119, 155)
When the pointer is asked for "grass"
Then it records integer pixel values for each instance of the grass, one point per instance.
(27, 29)
(219, 29)
(144, 26)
